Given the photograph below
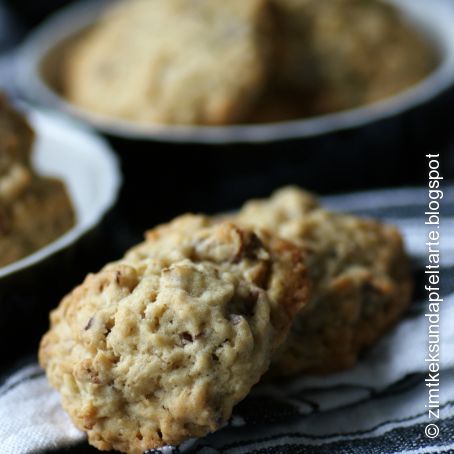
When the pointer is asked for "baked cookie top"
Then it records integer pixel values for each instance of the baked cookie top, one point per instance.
(16, 137)
(40, 213)
(173, 61)
(34, 210)
(328, 48)
(266, 260)
(360, 274)
(333, 241)
(286, 205)
(159, 346)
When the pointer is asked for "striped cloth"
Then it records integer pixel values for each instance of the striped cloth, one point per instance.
(379, 406)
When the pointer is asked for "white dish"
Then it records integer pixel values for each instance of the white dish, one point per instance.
(434, 19)
(89, 170)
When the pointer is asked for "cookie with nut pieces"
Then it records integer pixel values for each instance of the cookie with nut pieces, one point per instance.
(360, 274)
(159, 346)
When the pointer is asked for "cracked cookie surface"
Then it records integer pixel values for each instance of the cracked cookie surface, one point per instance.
(327, 49)
(360, 273)
(159, 346)
(34, 210)
(173, 61)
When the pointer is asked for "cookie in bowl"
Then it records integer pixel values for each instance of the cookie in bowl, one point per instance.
(172, 61)
(16, 138)
(341, 54)
(34, 210)
(204, 62)
(360, 273)
(159, 346)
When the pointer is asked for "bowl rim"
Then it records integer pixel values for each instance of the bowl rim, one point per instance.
(432, 18)
(109, 182)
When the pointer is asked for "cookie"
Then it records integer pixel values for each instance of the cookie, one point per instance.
(16, 138)
(344, 53)
(41, 214)
(173, 61)
(360, 275)
(34, 210)
(159, 346)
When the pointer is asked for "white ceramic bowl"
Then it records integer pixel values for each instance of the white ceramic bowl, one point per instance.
(434, 18)
(89, 170)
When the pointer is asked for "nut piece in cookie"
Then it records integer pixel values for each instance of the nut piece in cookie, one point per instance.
(158, 347)
(173, 61)
(360, 275)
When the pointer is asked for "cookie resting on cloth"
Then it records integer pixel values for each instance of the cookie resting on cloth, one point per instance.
(360, 275)
(159, 346)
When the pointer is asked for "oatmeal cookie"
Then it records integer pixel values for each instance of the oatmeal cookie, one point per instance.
(16, 138)
(343, 53)
(173, 61)
(34, 210)
(159, 346)
(360, 274)
(41, 214)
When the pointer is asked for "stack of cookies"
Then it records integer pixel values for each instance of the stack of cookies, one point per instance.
(159, 346)
(34, 210)
(215, 63)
